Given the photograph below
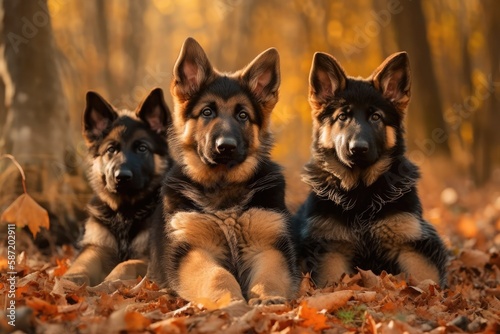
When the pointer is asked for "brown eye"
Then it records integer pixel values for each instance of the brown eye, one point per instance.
(207, 112)
(243, 116)
(142, 148)
(342, 116)
(375, 116)
(111, 149)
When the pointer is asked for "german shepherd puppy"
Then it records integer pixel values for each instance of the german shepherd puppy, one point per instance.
(226, 229)
(129, 157)
(363, 210)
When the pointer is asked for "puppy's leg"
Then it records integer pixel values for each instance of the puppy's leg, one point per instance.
(330, 267)
(91, 265)
(414, 244)
(418, 266)
(271, 281)
(200, 276)
(268, 256)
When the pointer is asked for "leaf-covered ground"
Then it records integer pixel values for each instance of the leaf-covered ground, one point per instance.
(362, 303)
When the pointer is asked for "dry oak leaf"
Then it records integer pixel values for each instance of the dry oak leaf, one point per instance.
(25, 211)
(311, 317)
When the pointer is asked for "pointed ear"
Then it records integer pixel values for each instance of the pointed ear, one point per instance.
(154, 111)
(98, 116)
(326, 78)
(191, 70)
(262, 76)
(392, 78)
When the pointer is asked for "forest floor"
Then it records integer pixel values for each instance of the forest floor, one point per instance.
(468, 220)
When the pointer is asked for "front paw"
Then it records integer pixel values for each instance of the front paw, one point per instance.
(79, 279)
(267, 300)
(130, 269)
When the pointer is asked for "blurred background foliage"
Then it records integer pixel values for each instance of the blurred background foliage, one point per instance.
(124, 48)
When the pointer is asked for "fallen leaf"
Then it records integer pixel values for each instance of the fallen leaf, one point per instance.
(371, 324)
(311, 317)
(366, 296)
(369, 279)
(62, 267)
(170, 326)
(25, 211)
(41, 306)
(306, 285)
(389, 307)
(329, 301)
(474, 258)
(135, 321)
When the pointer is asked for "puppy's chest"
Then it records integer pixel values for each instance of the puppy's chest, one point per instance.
(395, 229)
(252, 228)
(224, 203)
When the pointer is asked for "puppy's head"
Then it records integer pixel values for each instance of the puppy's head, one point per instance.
(358, 120)
(222, 119)
(128, 150)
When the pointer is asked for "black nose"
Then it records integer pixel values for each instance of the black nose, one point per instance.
(123, 175)
(358, 147)
(225, 144)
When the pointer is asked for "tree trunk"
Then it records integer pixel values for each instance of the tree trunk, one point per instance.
(36, 114)
(425, 116)
(135, 42)
(486, 137)
(101, 38)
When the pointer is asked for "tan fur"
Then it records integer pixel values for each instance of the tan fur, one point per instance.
(161, 165)
(371, 174)
(200, 276)
(397, 229)
(417, 266)
(332, 266)
(199, 230)
(325, 138)
(207, 175)
(90, 265)
(265, 284)
(349, 178)
(390, 137)
(140, 244)
(96, 234)
(330, 229)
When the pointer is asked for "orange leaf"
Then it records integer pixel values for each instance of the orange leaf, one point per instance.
(41, 306)
(135, 321)
(62, 267)
(25, 211)
(371, 324)
(389, 306)
(311, 318)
